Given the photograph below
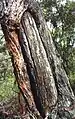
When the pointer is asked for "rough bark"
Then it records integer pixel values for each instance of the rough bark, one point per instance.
(37, 64)
(45, 79)
(66, 101)
(20, 70)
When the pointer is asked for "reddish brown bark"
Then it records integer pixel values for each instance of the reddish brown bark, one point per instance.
(19, 65)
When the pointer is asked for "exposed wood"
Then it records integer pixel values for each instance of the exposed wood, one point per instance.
(20, 68)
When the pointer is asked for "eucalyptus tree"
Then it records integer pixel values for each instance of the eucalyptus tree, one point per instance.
(37, 65)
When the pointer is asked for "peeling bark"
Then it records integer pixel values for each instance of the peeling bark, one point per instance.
(20, 69)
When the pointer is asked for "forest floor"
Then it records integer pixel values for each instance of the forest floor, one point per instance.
(12, 109)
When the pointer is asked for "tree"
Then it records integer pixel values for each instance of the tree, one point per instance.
(61, 15)
(37, 65)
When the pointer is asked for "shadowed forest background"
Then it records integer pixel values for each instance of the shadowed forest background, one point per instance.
(60, 18)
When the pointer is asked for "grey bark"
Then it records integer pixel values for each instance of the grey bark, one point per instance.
(45, 81)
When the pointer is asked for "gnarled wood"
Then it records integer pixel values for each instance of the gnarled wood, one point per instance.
(20, 69)
(37, 65)
(66, 97)
(45, 81)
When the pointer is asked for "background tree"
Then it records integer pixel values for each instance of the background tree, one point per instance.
(61, 14)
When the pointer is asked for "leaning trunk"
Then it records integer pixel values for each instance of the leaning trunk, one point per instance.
(20, 71)
(37, 64)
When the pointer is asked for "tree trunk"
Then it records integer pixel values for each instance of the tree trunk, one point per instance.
(37, 64)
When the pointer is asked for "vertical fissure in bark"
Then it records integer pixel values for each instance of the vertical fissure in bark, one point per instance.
(31, 69)
(29, 23)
